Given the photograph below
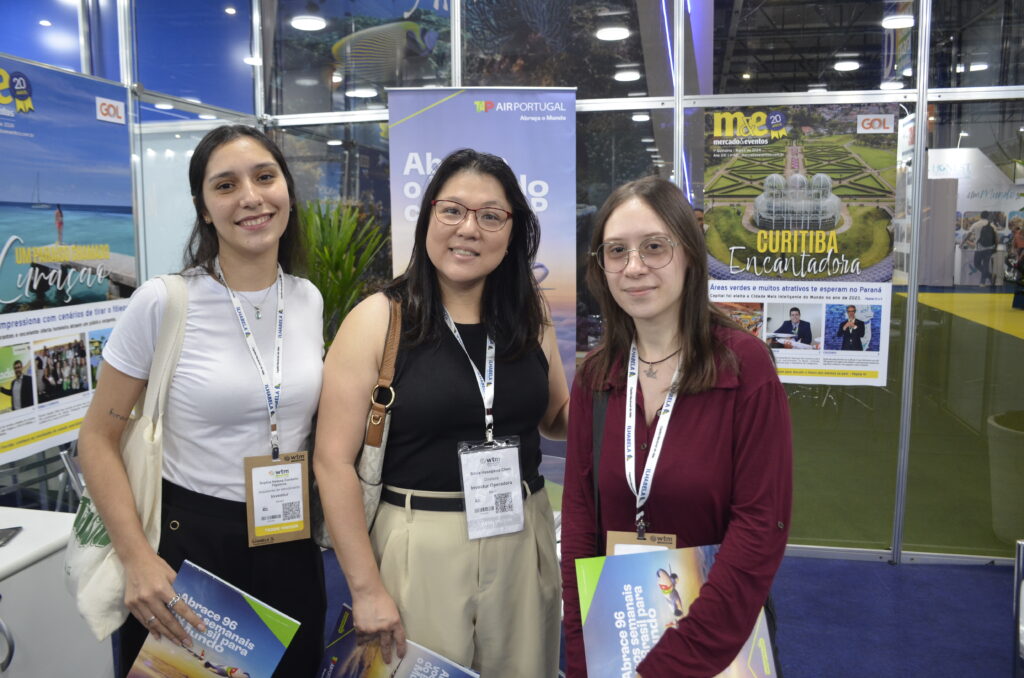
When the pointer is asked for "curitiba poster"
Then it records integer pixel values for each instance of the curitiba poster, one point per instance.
(798, 203)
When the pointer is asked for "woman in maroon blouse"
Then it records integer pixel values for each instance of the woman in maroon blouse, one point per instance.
(724, 472)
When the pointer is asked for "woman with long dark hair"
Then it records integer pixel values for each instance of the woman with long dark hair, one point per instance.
(709, 457)
(245, 308)
(477, 361)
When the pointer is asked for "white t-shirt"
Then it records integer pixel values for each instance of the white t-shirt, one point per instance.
(216, 412)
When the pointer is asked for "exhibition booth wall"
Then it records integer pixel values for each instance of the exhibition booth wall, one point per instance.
(910, 450)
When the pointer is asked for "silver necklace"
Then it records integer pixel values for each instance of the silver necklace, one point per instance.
(259, 311)
(650, 371)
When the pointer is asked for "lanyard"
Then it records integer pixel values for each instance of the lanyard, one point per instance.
(629, 443)
(271, 383)
(486, 381)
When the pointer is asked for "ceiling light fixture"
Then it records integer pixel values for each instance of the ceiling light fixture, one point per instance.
(627, 75)
(335, 77)
(253, 61)
(891, 84)
(306, 82)
(894, 21)
(612, 32)
(207, 116)
(334, 142)
(960, 68)
(978, 66)
(361, 92)
(308, 22)
(817, 88)
(46, 22)
(230, 10)
(652, 149)
(646, 140)
(641, 116)
(908, 72)
(849, 65)
(746, 76)
(164, 107)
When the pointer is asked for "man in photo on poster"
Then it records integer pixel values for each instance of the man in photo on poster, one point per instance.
(801, 329)
(852, 331)
(20, 389)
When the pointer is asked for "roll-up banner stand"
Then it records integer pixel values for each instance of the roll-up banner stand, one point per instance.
(67, 247)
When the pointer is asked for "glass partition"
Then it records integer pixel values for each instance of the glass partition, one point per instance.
(606, 49)
(44, 30)
(976, 43)
(967, 444)
(341, 55)
(197, 50)
(802, 46)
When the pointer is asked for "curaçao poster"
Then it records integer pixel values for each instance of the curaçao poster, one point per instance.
(798, 203)
(67, 246)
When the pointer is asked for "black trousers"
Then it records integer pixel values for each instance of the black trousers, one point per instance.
(211, 533)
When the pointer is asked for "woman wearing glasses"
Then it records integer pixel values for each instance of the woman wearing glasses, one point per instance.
(710, 431)
(477, 362)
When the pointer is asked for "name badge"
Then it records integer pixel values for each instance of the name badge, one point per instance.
(492, 486)
(277, 498)
(620, 543)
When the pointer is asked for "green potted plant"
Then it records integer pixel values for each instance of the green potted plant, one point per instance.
(342, 244)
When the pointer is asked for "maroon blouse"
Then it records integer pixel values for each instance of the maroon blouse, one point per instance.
(724, 477)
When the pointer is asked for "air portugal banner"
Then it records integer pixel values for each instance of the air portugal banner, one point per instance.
(67, 247)
(534, 130)
(799, 202)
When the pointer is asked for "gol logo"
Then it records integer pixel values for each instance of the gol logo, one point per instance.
(110, 110)
(876, 124)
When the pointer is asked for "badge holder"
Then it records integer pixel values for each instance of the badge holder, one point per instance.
(277, 498)
(492, 486)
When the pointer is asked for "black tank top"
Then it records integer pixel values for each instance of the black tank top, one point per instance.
(438, 404)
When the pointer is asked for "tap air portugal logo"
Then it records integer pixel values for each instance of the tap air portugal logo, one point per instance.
(519, 106)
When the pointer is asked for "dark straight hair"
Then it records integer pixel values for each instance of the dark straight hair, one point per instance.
(511, 309)
(203, 245)
(701, 353)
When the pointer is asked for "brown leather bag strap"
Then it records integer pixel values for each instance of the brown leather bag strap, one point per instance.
(383, 391)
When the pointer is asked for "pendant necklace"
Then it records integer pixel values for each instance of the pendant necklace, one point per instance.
(650, 371)
(259, 312)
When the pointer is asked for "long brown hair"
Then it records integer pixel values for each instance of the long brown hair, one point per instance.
(701, 354)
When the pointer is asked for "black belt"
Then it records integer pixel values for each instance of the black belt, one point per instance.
(420, 503)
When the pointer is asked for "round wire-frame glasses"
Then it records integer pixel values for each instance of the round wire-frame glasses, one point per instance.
(654, 252)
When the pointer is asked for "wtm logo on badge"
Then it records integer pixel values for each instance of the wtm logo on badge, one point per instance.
(484, 106)
(876, 124)
(110, 110)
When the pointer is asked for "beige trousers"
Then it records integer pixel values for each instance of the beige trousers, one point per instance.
(492, 604)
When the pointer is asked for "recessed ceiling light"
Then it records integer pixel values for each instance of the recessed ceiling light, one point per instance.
(746, 76)
(627, 75)
(847, 65)
(46, 22)
(164, 107)
(334, 142)
(652, 149)
(978, 66)
(230, 10)
(960, 68)
(891, 84)
(307, 82)
(908, 72)
(647, 140)
(1021, 129)
(361, 92)
(306, 22)
(894, 21)
(177, 136)
(612, 32)
(193, 100)
(253, 61)
(641, 117)
(207, 116)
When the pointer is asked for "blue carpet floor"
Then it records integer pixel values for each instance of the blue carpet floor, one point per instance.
(846, 619)
(855, 619)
